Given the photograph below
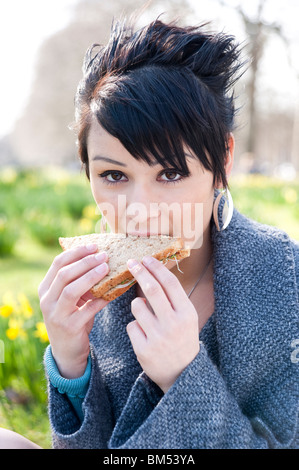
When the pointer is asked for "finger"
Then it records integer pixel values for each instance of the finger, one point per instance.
(146, 320)
(88, 311)
(74, 271)
(171, 285)
(63, 259)
(151, 288)
(137, 336)
(74, 291)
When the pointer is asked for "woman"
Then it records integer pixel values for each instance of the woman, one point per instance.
(198, 357)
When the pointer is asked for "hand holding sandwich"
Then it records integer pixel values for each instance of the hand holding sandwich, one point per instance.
(165, 341)
(79, 283)
(68, 306)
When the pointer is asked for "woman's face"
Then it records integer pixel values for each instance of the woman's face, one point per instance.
(149, 200)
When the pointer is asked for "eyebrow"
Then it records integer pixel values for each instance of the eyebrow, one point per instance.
(115, 162)
(109, 160)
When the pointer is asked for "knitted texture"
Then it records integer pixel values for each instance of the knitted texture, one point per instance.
(240, 391)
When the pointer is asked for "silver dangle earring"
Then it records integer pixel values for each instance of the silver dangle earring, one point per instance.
(227, 209)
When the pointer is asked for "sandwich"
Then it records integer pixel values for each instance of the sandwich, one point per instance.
(119, 249)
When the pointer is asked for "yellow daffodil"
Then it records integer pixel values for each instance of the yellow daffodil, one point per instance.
(15, 329)
(86, 224)
(290, 195)
(9, 299)
(8, 175)
(25, 306)
(41, 332)
(12, 333)
(91, 212)
(6, 310)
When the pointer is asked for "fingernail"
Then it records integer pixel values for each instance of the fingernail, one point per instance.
(102, 268)
(147, 260)
(131, 263)
(101, 256)
(91, 246)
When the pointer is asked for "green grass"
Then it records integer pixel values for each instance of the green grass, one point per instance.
(24, 270)
(27, 267)
(29, 420)
(35, 208)
(268, 200)
(43, 205)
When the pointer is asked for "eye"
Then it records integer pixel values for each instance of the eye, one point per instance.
(116, 176)
(170, 174)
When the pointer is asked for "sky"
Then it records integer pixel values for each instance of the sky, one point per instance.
(25, 24)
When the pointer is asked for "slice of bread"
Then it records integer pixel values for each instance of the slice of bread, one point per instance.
(119, 249)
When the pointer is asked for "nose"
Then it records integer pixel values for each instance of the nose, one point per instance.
(142, 208)
(143, 213)
(142, 192)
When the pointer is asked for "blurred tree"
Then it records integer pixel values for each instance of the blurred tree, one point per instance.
(258, 31)
(41, 136)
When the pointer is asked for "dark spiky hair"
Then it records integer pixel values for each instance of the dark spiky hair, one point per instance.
(159, 88)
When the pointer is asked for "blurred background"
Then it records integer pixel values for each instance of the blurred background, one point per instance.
(43, 193)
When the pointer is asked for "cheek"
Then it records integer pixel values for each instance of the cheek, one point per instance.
(101, 194)
(201, 194)
(106, 203)
(196, 215)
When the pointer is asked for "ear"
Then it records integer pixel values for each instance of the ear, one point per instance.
(229, 159)
(230, 155)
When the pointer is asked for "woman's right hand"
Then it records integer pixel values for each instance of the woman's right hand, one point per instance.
(69, 308)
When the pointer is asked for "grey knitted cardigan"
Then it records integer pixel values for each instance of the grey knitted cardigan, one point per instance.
(240, 391)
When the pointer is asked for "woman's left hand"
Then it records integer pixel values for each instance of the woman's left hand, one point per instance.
(165, 341)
